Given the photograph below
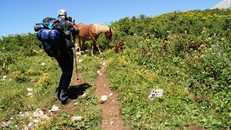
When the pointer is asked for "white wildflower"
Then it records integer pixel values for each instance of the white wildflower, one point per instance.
(29, 89)
(155, 93)
(4, 78)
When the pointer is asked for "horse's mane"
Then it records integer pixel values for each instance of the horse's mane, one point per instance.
(99, 28)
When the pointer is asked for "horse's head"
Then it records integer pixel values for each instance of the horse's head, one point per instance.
(73, 22)
(108, 35)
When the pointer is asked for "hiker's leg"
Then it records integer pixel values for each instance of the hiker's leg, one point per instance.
(67, 69)
(57, 91)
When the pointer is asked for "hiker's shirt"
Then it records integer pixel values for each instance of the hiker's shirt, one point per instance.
(68, 28)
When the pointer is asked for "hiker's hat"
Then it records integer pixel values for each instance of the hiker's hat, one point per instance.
(62, 13)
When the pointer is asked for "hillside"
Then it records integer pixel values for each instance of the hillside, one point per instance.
(182, 56)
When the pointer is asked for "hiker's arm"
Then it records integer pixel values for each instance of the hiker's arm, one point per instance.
(69, 18)
(73, 29)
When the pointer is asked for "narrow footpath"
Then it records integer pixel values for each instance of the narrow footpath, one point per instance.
(111, 118)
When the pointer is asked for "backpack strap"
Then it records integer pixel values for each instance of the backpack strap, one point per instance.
(40, 34)
(41, 24)
(48, 36)
(50, 25)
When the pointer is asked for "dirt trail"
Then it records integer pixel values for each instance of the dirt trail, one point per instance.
(111, 110)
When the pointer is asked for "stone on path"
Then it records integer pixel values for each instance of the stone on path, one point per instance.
(104, 98)
(74, 118)
(54, 108)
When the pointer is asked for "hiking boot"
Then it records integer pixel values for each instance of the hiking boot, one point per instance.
(66, 102)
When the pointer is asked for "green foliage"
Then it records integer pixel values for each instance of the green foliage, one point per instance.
(88, 100)
(26, 66)
(89, 67)
(15, 48)
(186, 54)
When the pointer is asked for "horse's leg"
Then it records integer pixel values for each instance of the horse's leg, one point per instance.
(83, 45)
(97, 45)
(94, 39)
(92, 45)
(92, 48)
(74, 38)
(79, 40)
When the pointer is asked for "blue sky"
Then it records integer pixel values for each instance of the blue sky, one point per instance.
(19, 16)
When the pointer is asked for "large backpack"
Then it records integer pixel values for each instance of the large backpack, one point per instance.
(50, 33)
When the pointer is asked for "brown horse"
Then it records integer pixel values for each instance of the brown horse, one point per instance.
(91, 32)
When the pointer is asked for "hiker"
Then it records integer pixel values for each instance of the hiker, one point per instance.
(55, 35)
(65, 60)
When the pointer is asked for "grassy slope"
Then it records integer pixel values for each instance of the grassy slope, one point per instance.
(186, 54)
(29, 67)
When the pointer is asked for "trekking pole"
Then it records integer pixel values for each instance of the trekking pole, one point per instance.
(75, 58)
(57, 74)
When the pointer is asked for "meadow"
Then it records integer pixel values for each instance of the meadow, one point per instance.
(186, 54)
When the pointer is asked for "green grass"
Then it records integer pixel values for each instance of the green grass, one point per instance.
(89, 67)
(39, 73)
(186, 54)
(176, 109)
(91, 117)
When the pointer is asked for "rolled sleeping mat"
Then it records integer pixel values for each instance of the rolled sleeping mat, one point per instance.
(37, 27)
(48, 35)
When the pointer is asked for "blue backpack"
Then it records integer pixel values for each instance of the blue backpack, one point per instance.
(49, 36)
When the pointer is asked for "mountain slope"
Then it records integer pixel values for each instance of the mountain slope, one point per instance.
(223, 4)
